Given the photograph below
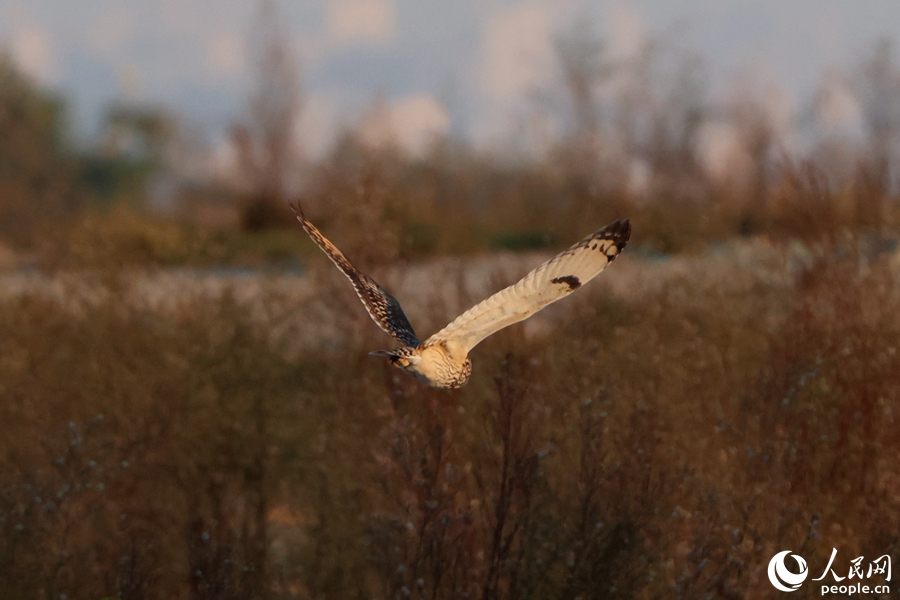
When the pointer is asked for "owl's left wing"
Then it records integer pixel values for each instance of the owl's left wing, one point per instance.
(381, 306)
(555, 279)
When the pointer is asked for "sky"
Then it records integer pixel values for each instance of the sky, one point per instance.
(466, 67)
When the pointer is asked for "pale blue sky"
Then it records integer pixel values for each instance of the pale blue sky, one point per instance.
(464, 65)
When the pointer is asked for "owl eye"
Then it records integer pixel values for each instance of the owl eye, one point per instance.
(400, 362)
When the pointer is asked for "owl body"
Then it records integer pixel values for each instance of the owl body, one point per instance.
(434, 365)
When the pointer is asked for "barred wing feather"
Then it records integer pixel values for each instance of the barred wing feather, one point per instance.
(555, 279)
(381, 306)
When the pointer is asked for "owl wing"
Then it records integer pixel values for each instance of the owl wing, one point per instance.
(382, 307)
(555, 279)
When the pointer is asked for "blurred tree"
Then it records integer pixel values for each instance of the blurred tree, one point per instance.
(133, 149)
(138, 131)
(878, 89)
(585, 68)
(268, 150)
(758, 136)
(635, 119)
(37, 175)
(660, 107)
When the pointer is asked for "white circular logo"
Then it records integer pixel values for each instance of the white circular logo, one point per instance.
(783, 579)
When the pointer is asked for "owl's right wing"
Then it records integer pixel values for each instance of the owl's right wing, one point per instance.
(381, 306)
(555, 279)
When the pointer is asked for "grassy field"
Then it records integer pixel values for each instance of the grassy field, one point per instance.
(189, 409)
(663, 434)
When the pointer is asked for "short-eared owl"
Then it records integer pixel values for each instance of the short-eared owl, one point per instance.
(442, 360)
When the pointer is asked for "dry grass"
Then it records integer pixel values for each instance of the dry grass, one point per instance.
(679, 425)
(659, 444)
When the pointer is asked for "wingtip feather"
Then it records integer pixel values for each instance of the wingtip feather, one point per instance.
(617, 231)
(298, 212)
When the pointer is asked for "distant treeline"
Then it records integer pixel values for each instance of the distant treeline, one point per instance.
(145, 191)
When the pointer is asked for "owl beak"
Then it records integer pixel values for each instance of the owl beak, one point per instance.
(397, 361)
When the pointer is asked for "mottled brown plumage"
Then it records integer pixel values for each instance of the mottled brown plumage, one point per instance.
(382, 307)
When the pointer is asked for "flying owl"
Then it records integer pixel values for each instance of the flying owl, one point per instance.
(442, 361)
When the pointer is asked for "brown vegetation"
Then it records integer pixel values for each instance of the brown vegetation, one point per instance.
(660, 443)
(664, 440)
